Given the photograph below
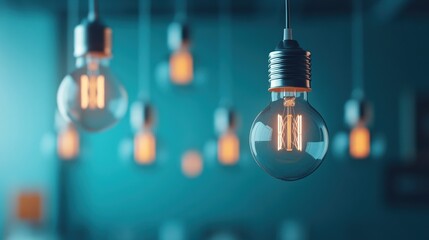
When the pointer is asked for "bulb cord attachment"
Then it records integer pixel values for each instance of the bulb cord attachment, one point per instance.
(93, 10)
(289, 68)
(287, 33)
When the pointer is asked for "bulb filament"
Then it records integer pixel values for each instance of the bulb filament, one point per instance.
(289, 127)
(92, 92)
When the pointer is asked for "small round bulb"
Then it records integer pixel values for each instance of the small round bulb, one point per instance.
(91, 97)
(289, 138)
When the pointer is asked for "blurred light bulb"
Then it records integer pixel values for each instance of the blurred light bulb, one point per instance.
(181, 67)
(192, 164)
(68, 143)
(360, 142)
(289, 138)
(91, 97)
(228, 149)
(144, 147)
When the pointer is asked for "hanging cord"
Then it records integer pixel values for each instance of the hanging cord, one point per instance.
(358, 48)
(181, 9)
(93, 9)
(287, 34)
(225, 42)
(144, 33)
(72, 20)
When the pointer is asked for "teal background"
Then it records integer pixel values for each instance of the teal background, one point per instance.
(104, 196)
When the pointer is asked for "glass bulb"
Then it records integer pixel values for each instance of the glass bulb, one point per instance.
(360, 142)
(68, 143)
(192, 164)
(181, 67)
(145, 147)
(289, 138)
(228, 149)
(91, 97)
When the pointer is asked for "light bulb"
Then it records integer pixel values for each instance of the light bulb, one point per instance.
(360, 142)
(91, 97)
(228, 149)
(181, 67)
(289, 138)
(192, 164)
(144, 147)
(68, 143)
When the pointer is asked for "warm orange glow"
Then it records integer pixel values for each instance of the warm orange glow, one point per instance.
(68, 143)
(289, 132)
(29, 207)
(228, 149)
(192, 164)
(360, 142)
(181, 67)
(92, 92)
(144, 148)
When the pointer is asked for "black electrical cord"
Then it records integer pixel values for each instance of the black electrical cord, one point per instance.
(287, 12)
(93, 9)
(287, 34)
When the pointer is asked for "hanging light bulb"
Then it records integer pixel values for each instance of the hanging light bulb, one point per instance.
(68, 143)
(144, 139)
(68, 140)
(228, 145)
(289, 138)
(192, 164)
(181, 63)
(357, 116)
(90, 96)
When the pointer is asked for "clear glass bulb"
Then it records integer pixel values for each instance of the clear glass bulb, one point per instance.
(145, 147)
(91, 97)
(360, 142)
(289, 138)
(181, 67)
(228, 150)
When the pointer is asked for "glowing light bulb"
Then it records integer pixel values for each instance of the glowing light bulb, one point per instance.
(360, 142)
(192, 164)
(68, 143)
(144, 147)
(181, 67)
(289, 138)
(228, 148)
(91, 97)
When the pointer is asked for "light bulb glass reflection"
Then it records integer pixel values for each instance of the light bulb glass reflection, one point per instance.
(289, 138)
(68, 143)
(181, 67)
(360, 142)
(228, 149)
(144, 147)
(91, 97)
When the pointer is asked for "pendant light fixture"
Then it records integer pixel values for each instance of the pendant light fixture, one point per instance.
(181, 62)
(90, 96)
(289, 138)
(179, 69)
(142, 113)
(228, 143)
(358, 113)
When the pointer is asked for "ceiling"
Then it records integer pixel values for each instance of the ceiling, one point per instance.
(391, 8)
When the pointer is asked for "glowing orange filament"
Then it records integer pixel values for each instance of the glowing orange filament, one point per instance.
(181, 67)
(360, 142)
(92, 92)
(289, 132)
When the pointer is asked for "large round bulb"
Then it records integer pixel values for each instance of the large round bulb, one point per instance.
(289, 138)
(91, 97)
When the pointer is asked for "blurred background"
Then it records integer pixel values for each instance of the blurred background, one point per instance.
(96, 190)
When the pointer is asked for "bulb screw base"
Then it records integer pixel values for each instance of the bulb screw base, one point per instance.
(92, 38)
(289, 68)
